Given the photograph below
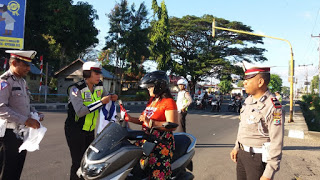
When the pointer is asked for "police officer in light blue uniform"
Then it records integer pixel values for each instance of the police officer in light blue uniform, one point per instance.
(86, 97)
(14, 112)
(258, 148)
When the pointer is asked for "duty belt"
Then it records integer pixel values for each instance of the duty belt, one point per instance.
(11, 125)
(250, 149)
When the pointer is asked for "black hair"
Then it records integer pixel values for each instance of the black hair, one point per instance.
(166, 94)
(265, 77)
(86, 73)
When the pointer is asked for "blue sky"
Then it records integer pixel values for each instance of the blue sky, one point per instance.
(293, 20)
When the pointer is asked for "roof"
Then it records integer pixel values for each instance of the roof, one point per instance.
(105, 73)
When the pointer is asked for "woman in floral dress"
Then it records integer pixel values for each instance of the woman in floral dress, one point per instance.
(161, 108)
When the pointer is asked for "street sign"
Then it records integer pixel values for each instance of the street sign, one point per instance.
(12, 19)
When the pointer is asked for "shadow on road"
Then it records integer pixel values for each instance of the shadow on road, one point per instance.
(214, 145)
(301, 148)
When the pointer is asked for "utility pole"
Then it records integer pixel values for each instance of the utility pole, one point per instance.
(319, 62)
(306, 83)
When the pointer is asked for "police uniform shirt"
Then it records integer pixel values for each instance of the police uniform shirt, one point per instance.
(77, 101)
(14, 99)
(262, 121)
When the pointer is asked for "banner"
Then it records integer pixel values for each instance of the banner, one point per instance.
(12, 20)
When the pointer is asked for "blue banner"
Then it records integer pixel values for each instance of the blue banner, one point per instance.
(12, 18)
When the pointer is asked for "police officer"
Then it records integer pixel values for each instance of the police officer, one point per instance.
(183, 102)
(258, 147)
(86, 97)
(14, 113)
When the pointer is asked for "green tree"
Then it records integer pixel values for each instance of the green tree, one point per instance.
(127, 40)
(225, 86)
(160, 36)
(60, 30)
(314, 84)
(240, 83)
(285, 90)
(198, 55)
(275, 83)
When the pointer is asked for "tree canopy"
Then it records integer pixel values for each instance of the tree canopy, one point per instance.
(160, 37)
(275, 83)
(198, 55)
(314, 84)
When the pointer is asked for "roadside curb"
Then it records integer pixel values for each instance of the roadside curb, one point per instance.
(64, 106)
(298, 128)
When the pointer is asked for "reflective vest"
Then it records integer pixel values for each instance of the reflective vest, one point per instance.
(88, 122)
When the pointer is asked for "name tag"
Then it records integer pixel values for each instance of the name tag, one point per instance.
(87, 96)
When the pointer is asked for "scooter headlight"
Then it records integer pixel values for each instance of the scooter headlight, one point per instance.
(94, 170)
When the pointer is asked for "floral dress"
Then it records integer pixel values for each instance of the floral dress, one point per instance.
(159, 161)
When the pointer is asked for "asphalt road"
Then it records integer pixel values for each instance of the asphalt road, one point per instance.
(215, 133)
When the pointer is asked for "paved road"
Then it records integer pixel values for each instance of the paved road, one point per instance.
(215, 133)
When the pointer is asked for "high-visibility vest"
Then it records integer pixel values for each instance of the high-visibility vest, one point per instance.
(88, 122)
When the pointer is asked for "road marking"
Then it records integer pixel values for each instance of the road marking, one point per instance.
(205, 115)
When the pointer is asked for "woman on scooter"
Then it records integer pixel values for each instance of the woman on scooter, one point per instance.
(161, 108)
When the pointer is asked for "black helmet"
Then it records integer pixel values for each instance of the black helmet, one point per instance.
(158, 79)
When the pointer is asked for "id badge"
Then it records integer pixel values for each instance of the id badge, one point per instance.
(87, 96)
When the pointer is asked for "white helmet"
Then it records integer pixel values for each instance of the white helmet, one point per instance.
(91, 65)
(183, 82)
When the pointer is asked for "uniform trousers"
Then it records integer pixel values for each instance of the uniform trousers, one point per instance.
(182, 120)
(11, 161)
(249, 165)
(78, 141)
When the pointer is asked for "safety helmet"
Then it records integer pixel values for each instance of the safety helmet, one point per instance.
(183, 82)
(158, 79)
(91, 65)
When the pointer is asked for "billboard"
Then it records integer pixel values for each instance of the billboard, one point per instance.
(12, 17)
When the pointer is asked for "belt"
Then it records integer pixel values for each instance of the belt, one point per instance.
(11, 126)
(250, 149)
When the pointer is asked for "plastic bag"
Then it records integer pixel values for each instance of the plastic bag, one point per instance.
(33, 137)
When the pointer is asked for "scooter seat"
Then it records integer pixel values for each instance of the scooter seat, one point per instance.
(182, 143)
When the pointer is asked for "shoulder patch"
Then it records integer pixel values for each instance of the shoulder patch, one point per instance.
(276, 102)
(75, 91)
(277, 116)
(3, 84)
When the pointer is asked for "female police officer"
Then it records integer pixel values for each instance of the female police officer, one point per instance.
(85, 99)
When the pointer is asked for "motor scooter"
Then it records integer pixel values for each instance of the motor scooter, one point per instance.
(113, 155)
(215, 105)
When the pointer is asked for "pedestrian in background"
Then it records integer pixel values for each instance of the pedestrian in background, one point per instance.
(258, 148)
(86, 97)
(183, 102)
(278, 96)
(15, 112)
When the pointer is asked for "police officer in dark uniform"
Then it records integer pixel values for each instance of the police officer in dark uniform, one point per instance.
(85, 99)
(258, 148)
(15, 112)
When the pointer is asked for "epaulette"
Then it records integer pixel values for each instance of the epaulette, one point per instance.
(5, 77)
(263, 98)
(80, 85)
(276, 102)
